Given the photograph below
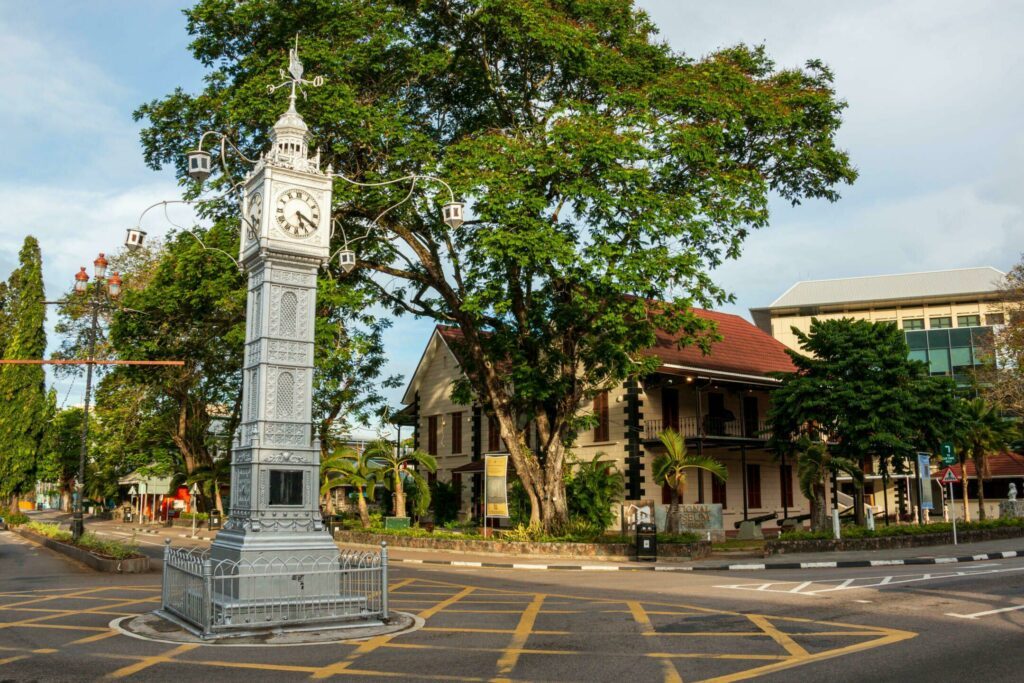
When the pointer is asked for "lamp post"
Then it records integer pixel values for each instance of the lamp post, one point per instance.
(104, 290)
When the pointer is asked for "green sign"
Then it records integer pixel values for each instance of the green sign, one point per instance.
(948, 454)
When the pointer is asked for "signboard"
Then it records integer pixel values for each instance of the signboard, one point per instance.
(948, 454)
(700, 517)
(924, 474)
(949, 477)
(495, 485)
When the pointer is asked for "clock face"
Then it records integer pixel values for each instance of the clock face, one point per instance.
(297, 213)
(255, 215)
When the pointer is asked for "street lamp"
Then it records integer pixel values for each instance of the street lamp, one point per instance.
(103, 292)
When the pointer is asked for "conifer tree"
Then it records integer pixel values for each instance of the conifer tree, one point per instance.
(23, 403)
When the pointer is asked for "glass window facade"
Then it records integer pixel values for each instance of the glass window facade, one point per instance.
(948, 351)
(940, 323)
(913, 324)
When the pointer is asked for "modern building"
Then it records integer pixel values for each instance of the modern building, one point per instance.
(718, 402)
(946, 315)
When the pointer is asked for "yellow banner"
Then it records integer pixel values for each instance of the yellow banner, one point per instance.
(495, 485)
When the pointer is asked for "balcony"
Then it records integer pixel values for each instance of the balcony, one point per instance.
(713, 427)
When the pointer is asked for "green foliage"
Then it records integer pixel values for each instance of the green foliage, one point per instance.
(24, 406)
(399, 465)
(670, 468)
(593, 487)
(598, 163)
(49, 530)
(117, 550)
(853, 531)
(14, 517)
(62, 449)
(445, 502)
(518, 503)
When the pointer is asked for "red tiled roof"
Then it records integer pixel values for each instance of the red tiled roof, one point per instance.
(1005, 464)
(744, 348)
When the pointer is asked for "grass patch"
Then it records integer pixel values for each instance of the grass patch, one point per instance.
(520, 534)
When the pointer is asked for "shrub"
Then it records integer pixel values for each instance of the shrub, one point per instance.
(14, 517)
(592, 489)
(118, 550)
(49, 530)
(851, 531)
(444, 502)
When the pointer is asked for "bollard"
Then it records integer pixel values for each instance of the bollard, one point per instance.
(835, 524)
(871, 520)
(384, 580)
(165, 573)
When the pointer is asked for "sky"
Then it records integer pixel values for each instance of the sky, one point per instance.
(932, 126)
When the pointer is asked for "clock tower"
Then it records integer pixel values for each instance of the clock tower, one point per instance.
(275, 462)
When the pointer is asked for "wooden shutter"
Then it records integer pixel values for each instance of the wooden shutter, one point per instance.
(456, 433)
(602, 431)
(432, 435)
(754, 486)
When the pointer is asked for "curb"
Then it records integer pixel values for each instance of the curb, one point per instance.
(760, 566)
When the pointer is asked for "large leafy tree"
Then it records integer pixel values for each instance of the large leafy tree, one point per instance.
(815, 464)
(24, 407)
(60, 458)
(598, 162)
(1002, 378)
(856, 387)
(980, 430)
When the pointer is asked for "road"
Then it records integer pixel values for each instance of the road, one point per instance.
(915, 624)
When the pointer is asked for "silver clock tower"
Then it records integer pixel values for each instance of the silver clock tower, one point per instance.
(275, 466)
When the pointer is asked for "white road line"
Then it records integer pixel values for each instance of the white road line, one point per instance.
(978, 615)
(836, 585)
(802, 586)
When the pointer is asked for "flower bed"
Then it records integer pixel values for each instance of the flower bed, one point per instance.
(100, 554)
(615, 548)
(907, 536)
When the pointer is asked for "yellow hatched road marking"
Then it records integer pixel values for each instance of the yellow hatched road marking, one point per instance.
(97, 637)
(431, 611)
(783, 639)
(147, 662)
(642, 619)
(507, 662)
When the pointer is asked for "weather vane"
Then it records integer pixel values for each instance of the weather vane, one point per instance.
(295, 71)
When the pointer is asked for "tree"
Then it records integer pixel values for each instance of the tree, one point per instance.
(855, 387)
(815, 464)
(670, 469)
(210, 479)
(982, 429)
(601, 166)
(396, 462)
(354, 469)
(593, 488)
(1002, 376)
(60, 456)
(24, 408)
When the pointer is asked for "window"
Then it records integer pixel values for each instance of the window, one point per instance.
(285, 487)
(968, 320)
(913, 324)
(994, 319)
(456, 433)
(718, 492)
(601, 430)
(939, 361)
(786, 481)
(493, 434)
(940, 323)
(432, 435)
(754, 486)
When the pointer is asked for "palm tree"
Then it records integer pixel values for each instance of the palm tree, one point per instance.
(396, 462)
(210, 477)
(348, 467)
(815, 465)
(982, 429)
(670, 469)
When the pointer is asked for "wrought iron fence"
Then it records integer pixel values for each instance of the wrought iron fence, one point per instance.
(710, 426)
(218, 596)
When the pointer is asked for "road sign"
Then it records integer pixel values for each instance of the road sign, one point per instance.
(949, 477)
(948, 454)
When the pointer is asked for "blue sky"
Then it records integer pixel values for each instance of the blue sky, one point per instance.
(933, 127)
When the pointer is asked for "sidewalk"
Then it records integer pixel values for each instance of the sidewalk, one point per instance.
(930, 555)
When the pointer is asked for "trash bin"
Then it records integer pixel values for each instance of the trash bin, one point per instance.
(646, 542)
(214, 520)
(333, 524)
(129, 516)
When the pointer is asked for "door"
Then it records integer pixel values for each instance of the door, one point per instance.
(751, 418)
(670, 408)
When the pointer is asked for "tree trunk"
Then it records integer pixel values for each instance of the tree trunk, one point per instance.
(963, 483)
(399, 495)
(819, 520)
(979, 467)
(364, 513)
(673, 513)
(218, 501)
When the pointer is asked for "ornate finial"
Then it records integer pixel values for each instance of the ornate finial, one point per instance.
(296, 81)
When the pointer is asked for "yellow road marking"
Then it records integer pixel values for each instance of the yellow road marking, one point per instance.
(507, 662)
(93, 639)
(510, 631)
(147, 662)
(783, 639)
(643, 620)
(55, 597)
(401, 584)
(15, 658)
(71, 612)
(431, 611)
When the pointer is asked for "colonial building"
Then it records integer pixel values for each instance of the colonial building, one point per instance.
(718, 402)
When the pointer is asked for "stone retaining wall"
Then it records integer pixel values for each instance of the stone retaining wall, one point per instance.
(134, 565)
(611, 551)
(781, 547)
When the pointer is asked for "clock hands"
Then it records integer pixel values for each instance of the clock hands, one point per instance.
(302, 219)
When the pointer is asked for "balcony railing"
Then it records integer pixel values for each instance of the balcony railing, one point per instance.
(708, 426)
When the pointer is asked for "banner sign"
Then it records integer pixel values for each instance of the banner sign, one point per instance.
(924, 463)
(496, 485)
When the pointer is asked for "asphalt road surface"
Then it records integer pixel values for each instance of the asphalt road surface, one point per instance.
(935, 623)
